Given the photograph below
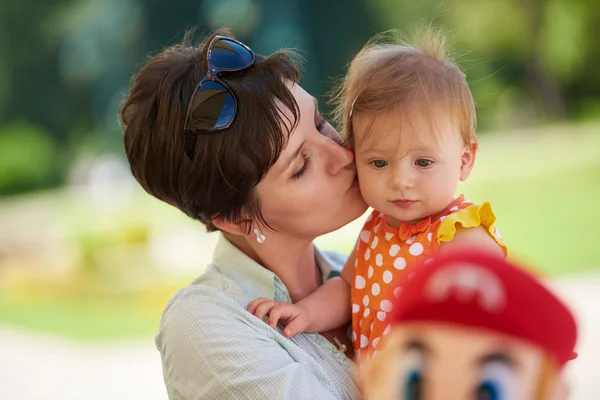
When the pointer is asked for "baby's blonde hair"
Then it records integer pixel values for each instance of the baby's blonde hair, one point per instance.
(399, 76)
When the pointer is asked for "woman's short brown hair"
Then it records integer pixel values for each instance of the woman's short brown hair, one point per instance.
(219, 182)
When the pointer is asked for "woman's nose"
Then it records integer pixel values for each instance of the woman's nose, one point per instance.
(337, 157)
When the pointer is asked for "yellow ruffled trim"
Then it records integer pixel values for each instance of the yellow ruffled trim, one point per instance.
(470, 217)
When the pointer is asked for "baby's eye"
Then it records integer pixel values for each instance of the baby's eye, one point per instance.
(423, 163)
(379, 163)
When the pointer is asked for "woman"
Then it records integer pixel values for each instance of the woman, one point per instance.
(232, 140)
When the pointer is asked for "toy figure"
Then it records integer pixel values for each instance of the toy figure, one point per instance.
(471, 325)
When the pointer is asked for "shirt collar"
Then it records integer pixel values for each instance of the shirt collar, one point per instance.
(255, 280)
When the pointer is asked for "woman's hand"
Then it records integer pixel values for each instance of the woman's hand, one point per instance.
(295, 317)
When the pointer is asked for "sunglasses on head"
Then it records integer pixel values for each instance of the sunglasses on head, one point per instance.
(213, 105)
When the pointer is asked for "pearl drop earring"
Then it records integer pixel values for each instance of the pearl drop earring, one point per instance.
(260, 238)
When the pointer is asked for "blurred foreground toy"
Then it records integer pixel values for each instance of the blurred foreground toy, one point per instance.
(470, 325)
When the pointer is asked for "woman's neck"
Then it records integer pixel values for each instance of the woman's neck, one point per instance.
(292, 261)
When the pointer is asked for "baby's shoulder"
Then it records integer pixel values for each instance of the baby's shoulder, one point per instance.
(469, 215)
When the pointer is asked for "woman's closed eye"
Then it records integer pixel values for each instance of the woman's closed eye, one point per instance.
(324, 129)
(321, 125)
(305, 163)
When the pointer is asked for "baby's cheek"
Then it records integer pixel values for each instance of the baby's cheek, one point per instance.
(370, 190)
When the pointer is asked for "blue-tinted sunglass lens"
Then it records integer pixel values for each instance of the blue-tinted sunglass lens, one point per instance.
(229, 55)
(213, 107)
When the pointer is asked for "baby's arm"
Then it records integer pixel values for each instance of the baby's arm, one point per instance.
(326, 308)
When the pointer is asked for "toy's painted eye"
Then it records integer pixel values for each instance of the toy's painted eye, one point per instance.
(412, 375)
(497, 381)
(413, 385)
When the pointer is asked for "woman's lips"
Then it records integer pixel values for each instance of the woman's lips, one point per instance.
(404, 204)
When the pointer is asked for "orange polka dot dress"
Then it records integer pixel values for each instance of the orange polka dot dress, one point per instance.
(384, 253)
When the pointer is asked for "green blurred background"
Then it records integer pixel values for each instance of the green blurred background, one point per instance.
(85, 254)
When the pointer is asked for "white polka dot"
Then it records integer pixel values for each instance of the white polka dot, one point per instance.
(443, 218)
(381, 315)
(355, 308)
(376, 228)
(353, 336)
(387, 276)
(394, 249)
(388, 236)
(387, 329)
(400, 263)
(375, 342)
(366, 313)
(397, 291)
(375, 289)
(455, 208)
(375, 242)
(366, 300)
(370, 272)
(367, 254)
(359, 282)
(379, 260)
(429, 236)
(365, 236)
(466, 202)
(370, 217)
(364, 341)
(386, 305)
(371, 327)
(416, 249)
(410, 240)
(355, 263)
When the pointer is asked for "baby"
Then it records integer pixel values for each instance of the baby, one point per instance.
(409, 115)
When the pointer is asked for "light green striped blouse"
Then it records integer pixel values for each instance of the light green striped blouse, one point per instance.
(212, 348)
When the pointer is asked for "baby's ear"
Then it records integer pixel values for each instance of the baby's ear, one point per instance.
(467, 160)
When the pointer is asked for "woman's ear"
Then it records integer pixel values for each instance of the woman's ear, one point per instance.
(467, 160)
(240, 228)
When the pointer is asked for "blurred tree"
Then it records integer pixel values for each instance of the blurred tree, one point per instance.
(27, 155)
(537, 70)
(30, 83)
(337, 30)
(533, 55)
(65, 64)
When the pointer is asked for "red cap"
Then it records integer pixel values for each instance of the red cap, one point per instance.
(477, 289)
